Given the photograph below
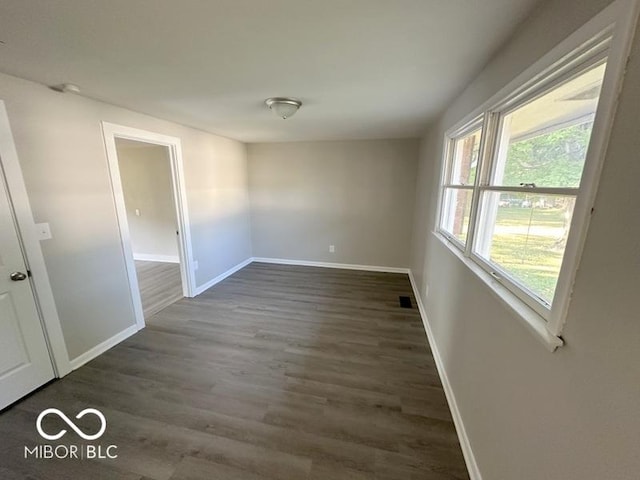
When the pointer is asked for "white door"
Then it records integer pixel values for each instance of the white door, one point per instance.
(24, 357)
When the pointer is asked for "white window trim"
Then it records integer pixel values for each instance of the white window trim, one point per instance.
(449, 144)
(617, 21)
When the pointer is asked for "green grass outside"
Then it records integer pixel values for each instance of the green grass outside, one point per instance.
(532, 259)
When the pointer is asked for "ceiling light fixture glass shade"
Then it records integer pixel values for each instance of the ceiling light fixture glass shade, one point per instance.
(66, 88)
(284, 107)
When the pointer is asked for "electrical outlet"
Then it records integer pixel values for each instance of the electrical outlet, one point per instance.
(332, 249)
(426, 291)
(137, 212)
(195, 264)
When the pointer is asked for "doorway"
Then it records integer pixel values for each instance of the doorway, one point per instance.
(147, 186)
(149, 194)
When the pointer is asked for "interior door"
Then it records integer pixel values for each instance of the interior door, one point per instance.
(24, 357)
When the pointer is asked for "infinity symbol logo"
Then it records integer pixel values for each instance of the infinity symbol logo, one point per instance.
(97, 413)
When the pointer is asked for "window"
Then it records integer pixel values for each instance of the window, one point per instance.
(513, 175)
(527, 203)
(459, 182)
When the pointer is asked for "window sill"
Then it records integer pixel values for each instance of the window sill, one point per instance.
(531, 319)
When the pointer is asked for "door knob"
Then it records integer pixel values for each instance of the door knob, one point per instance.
(18, 276)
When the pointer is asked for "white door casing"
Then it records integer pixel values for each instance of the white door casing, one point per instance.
(111, 132)
(25, 363)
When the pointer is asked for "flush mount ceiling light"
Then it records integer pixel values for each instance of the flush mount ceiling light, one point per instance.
(66, 88)
(284, 107)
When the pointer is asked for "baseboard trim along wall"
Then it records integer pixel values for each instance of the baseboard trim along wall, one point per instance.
(144, 257)
(304, 263)
(345, 266)
(103, 347)
(222, 276)
(119, 337)
(469, 457)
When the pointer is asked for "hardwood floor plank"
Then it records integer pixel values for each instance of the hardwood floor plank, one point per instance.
(191, 468)
(160, 285)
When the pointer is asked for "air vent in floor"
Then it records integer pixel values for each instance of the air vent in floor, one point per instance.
(405, 302)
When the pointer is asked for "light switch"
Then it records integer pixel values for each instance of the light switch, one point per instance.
(137, 212)
(43, 231)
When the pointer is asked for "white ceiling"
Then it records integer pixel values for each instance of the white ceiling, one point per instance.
(363, 68)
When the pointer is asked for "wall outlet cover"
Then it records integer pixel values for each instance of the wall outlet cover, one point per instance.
(43, 231)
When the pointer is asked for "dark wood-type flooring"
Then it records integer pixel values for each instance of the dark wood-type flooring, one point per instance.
(160, 285)
(278, 372)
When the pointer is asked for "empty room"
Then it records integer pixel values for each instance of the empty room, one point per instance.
(347, 239)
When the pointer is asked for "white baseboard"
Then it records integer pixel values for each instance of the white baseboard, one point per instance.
(467, 452)
(222, 276)
(145, 257)
(103, 347)
(345, 266)
(305, 263)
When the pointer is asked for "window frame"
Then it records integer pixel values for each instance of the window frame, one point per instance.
(607, 37)
(487, 184)
(446, 183)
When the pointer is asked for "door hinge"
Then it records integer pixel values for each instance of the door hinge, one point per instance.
(28, 273)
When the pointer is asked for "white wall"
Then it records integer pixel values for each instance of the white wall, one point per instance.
(356, 195)
(531, 414)
(145, 173)
(61, 149)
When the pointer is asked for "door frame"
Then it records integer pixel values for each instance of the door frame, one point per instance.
(112, 131)
(32, 250)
